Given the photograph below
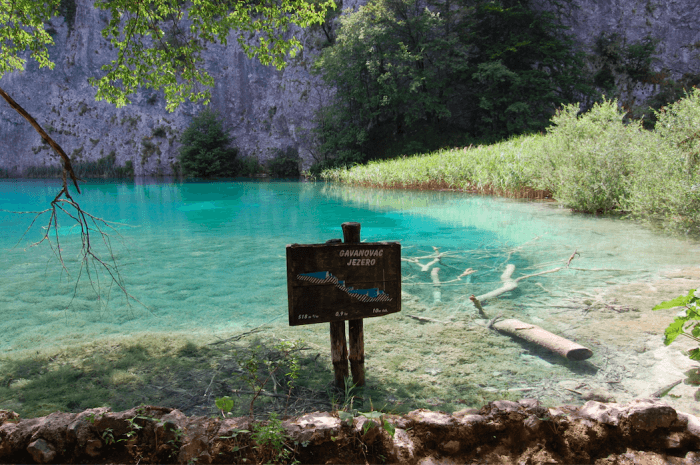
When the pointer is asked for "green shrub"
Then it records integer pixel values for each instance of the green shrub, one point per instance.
(249, 166)
(679, 327)
(592, 162)
(205, 150)
(587, 159)
(104, 167)
(149, 148)
(285, 163)
(667, 180)
(159, 131)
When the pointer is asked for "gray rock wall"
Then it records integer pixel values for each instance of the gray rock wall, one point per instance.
(264, 109)
(674, 23)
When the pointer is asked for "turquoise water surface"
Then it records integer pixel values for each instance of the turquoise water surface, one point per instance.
(210, 257)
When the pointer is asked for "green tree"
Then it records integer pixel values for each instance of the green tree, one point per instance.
(393, 65)
(412, 75)
(205, 150)
(524, 67)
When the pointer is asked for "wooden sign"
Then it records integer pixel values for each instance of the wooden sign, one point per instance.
(343, 281)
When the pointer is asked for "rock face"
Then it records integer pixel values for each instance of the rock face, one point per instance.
(647, 431)
(265, 110)
(675, 24)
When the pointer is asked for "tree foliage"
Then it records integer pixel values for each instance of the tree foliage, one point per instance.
(414, 75)
(159, 42)
(206, 150)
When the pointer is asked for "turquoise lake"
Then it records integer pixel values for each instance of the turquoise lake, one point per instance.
(205, 264)
(210, 257)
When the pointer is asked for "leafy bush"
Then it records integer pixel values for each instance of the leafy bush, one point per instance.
(159, 131)
(104, 167)
(285, 164)
(591, 162)
(667, 180)
(678, 327)
(249, 166)
(586, 160)
(206, 150)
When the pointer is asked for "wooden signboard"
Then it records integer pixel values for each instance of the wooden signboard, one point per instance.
(343, 281)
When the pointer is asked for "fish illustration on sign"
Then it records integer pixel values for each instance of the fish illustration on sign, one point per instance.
(363, 295)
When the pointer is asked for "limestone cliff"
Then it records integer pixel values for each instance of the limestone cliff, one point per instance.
(265, 109)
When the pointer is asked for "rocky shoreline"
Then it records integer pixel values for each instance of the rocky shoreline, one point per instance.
(523, 432)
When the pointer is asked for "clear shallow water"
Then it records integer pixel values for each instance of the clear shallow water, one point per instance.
(210, 257)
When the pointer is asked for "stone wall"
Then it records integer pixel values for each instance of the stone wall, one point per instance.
(643, 431)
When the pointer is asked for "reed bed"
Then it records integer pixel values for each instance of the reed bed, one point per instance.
(596, 162)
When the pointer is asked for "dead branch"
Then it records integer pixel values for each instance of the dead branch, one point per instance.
(536, 335)
(493, 320)
(510, 284)
(572, 257)
(437, 294)
(478, 306)
(424, 319)
(238, 336)
(664, 390)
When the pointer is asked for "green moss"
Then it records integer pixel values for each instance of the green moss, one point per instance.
(77, 153)
(149, 148)
(159, 131)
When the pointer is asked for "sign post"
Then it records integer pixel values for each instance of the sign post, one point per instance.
(351, 235)
(336, 281)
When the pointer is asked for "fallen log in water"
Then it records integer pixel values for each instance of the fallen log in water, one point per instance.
(536, 335)
(544, 338)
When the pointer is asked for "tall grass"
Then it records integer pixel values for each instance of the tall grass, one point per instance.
(591, 162)
(487, 169)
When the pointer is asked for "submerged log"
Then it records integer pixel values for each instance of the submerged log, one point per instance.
(544, 338)
(437, 295)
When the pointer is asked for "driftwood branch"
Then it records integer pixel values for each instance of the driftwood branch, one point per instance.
(437, 294)
(664, 390)
(424, 319)
(478, 306)
(510, 284)
(529, 332)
